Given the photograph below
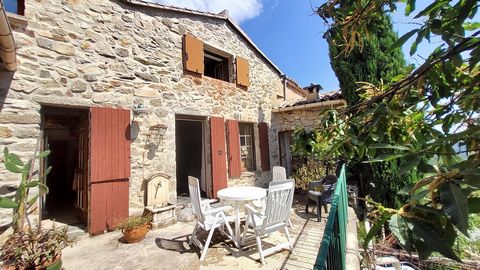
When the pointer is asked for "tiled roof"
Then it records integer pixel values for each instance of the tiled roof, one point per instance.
(329, 96)
(221, 16)
(333, 95)
(296, 87)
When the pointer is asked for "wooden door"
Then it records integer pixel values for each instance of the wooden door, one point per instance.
(233, 135)
(219, 166)
(110, 167)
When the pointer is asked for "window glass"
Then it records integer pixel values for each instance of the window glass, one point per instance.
(247, 149)
(11, 6)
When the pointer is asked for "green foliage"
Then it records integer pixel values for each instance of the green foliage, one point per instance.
(21, 202)
(134, 222)
(312, 170)
(418, 120)
(378, 60)
(469, 247)
(373, 62)
(35, 248)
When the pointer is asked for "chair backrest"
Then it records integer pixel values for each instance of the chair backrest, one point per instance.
(279, 173)
(329, 185)
(279, 203)
(194, 189)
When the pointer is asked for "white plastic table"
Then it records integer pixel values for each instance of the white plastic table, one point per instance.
(239, 195)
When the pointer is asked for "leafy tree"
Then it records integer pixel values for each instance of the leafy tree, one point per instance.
(419, 118)
(373, 62)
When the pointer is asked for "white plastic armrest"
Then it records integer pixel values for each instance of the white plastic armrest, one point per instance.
(252, 210)
(217, 209)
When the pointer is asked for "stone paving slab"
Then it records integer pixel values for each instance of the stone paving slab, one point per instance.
(168, 249)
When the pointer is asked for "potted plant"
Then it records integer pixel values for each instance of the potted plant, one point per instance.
(135, 228)
(35, 249)
(30, 248)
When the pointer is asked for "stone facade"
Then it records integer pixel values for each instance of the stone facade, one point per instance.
(114, 54)
(302, 118)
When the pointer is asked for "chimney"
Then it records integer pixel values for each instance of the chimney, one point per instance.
(312, 91)
(224, 13)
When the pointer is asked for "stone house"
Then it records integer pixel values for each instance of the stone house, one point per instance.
(301, 113)
(130, 96)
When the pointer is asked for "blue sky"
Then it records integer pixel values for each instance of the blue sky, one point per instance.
(291, 36)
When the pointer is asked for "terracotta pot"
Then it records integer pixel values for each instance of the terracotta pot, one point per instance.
(55, 265)
(136, 234)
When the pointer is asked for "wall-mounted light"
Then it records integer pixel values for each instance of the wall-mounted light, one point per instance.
(139, 109)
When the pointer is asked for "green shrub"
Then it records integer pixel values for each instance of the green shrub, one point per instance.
(312, 170)
(134, 222)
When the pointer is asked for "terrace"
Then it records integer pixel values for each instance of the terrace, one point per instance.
(168, 248)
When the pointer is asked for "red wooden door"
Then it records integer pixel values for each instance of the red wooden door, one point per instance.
(110, 167)
(219, 166)
(233, 135)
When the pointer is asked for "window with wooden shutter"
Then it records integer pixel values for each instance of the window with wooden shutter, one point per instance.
(233, 137)
(193, 54)
(243, 68)
(264, 148)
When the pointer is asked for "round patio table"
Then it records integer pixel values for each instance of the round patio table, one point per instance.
(239, 195)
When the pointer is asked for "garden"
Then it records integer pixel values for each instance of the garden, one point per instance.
(410, 133)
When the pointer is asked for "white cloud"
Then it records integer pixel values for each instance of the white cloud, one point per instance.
(240, 11)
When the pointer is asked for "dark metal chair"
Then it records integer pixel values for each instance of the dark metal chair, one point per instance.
(321, 192)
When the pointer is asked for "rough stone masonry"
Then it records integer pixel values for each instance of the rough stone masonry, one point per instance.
(114, 54)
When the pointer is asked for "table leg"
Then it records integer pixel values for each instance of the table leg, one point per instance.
(237, 221)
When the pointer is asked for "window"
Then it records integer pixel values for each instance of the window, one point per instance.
(247, 147)
(15, 6)
(216, 66)
(201, 58)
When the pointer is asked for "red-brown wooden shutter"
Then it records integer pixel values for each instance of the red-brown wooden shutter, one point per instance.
(243, 77)
(264, 149)
(219, 166)
(110, 167)
(193, 54)
(233, 139)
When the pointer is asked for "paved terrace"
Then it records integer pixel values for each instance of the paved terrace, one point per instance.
(168, 249)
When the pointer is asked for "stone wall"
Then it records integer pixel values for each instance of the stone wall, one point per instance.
(302, 118)
(112, 54)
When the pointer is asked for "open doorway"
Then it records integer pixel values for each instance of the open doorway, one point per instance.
(285, 142)
(189, 153)
(65, 134)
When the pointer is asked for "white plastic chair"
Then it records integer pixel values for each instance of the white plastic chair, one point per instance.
(208, 218)
(279, 173)
(275, 217)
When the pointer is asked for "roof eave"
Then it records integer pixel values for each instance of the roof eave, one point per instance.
(210, 15)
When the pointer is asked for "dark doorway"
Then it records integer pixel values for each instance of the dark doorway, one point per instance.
(65, 134)
(285, 142)
(189, 152)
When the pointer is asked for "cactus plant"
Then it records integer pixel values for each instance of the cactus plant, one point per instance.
(30, 178)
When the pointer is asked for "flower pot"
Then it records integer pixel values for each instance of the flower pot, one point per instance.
(56, 264)
(135, 234)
